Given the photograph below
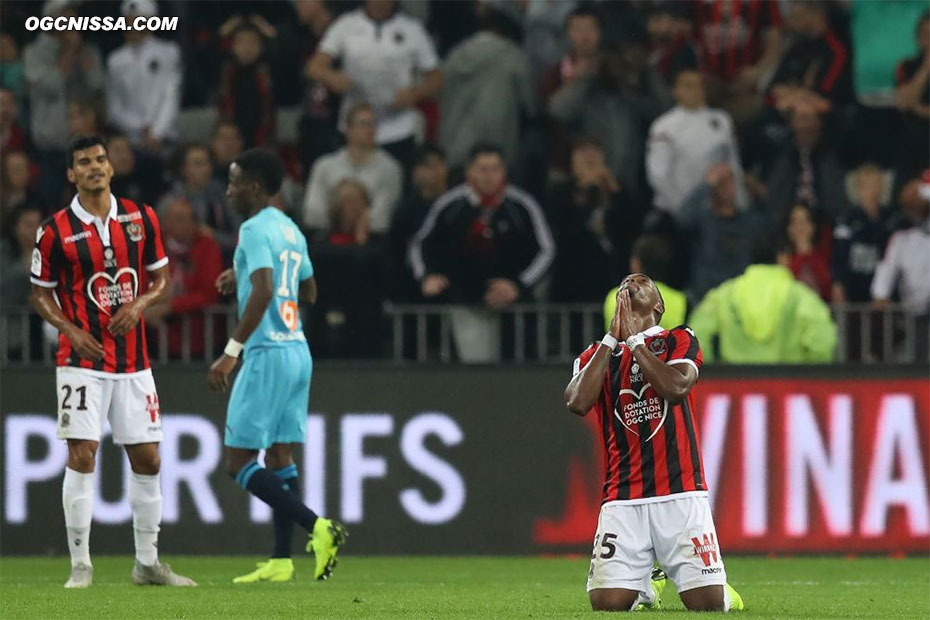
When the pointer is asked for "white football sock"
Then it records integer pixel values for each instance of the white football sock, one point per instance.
(77, 498)
(726, 598)
(145, 500)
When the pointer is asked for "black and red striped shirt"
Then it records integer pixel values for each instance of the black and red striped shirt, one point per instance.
(96, 266)
(730, 33)
(651, 447)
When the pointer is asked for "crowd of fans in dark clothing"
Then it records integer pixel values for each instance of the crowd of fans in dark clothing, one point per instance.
(492, 152)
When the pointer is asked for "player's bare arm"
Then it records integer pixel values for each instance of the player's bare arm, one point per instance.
(85, 345)
(308, 291)
(129, 314)
(585, 386)
(255, 307)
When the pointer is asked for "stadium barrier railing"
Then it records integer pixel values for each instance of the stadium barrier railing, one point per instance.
(539, 332)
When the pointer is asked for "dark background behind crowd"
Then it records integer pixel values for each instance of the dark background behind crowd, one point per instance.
(493, 152)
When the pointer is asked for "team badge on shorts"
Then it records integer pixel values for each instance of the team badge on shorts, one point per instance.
(134, 231)
(65, 420)
(151, 405)
(658, 346)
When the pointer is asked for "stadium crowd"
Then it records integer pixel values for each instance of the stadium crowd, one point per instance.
(500, 151)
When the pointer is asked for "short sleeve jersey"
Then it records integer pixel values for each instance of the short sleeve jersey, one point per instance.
(651, 446)
(271, 240)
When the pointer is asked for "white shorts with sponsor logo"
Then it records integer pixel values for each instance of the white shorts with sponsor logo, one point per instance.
(129, 401)
(678, 532)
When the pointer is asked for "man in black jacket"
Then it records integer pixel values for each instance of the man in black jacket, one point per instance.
(484, 241)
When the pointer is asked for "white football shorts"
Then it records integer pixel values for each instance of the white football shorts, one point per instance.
(678, 532)
(129, 401)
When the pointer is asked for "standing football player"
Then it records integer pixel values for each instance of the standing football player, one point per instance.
(638, 382)
(270, 397)
(96, 266)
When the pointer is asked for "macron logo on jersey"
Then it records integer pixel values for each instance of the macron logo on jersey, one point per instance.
(77, 237)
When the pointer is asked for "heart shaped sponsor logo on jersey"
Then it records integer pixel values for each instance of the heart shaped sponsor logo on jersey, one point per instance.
(636, 412)
(107, 291)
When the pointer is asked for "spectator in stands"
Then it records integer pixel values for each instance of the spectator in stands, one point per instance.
(144, 84)
(912, 98)
(206, 195)
(686, 142)
(485, 242)
(83, 119)
(19, 228)
(906, 263)
(815, 68)
(487, 93)
(16, 184)
(361, 159)
(319, 123)
(195, 262)
(350, 265)
(59, 67)
(764, 316)
(594, 223)
(807, 171)
(129, 181)
(245, 89)
(740, 44)
(19, 235)
(583, 31)
(860, 237)
(721, 233)
(615, 104)
(671, 48)
(225, 146)
(12, 70)
(651, 255)
(12, 136)
(429, 180)
(388, 61)
(807, 259)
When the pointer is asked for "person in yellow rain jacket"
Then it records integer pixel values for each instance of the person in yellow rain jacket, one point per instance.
(650, 255)
(764, 316)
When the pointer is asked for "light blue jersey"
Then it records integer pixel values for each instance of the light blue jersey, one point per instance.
(270, 239)
(271, 394)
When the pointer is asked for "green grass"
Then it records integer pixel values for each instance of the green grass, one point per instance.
(452, 587)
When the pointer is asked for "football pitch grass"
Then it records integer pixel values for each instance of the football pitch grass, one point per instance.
(451, 587)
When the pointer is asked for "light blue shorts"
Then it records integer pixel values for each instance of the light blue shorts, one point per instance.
(270, 398)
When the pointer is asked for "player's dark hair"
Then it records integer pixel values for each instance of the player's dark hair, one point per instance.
(585, 9)
(426, 151)
(655, 256)
(484, 148)
(264, 166)
(925, 17)
(80, 142)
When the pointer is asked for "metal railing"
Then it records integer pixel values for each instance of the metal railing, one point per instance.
(452, 333)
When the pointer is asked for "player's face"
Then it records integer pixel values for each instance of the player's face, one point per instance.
(239, 191)
(643, 292)
(689, 89)
(90, 169)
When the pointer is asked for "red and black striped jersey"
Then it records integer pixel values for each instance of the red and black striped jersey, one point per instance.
(96, 266)
(651, 447)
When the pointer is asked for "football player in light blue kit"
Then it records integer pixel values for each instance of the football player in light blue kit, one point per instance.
(270, 397)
